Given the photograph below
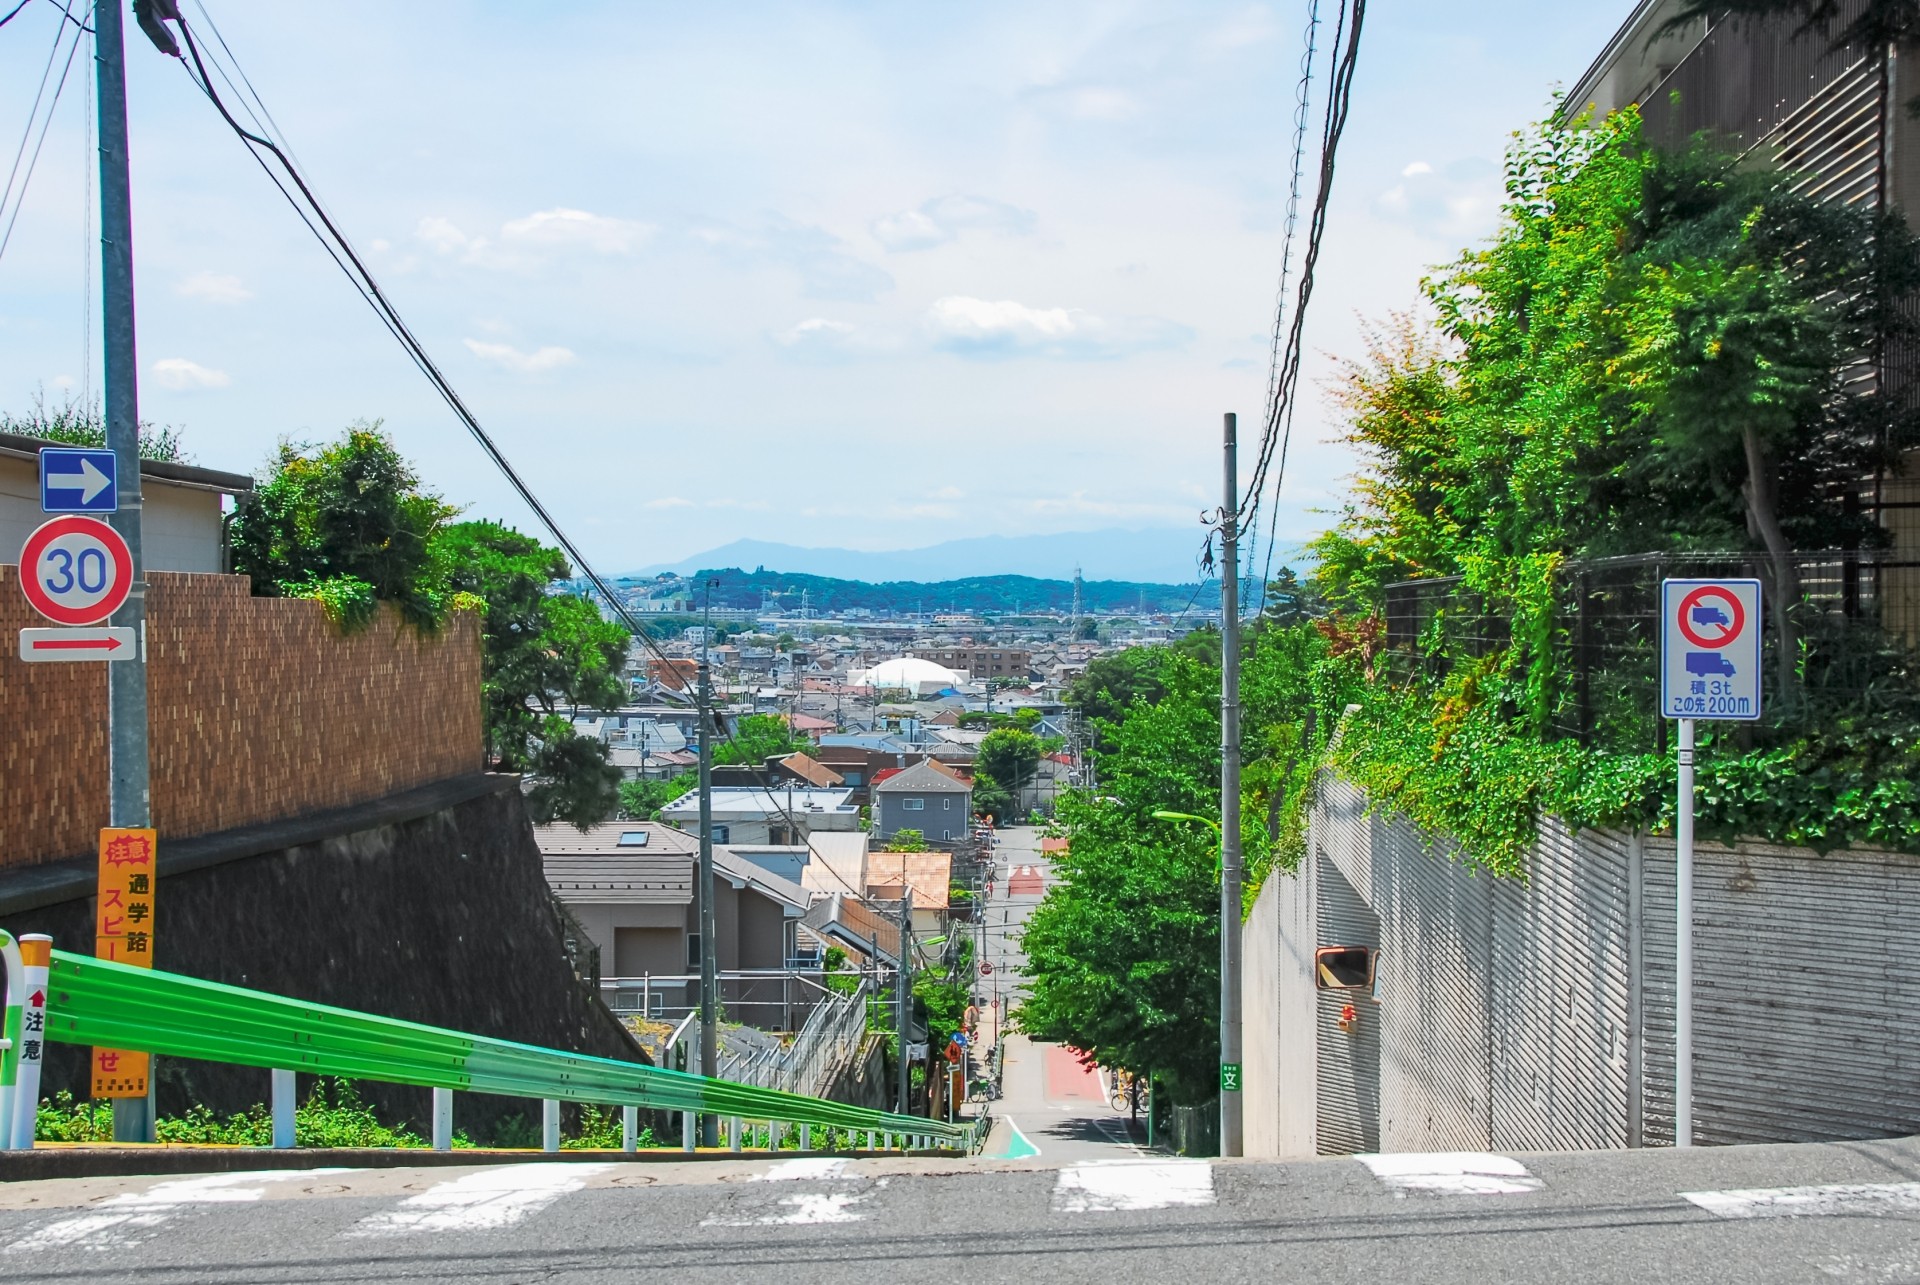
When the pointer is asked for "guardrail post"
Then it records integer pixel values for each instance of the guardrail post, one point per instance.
(36, 952)
(443, 1119)
(686, 1130)
(550, 1125)
(776, 1131)
(629, 1128)
(282, 1100)
(733, 1133)
(870, 1139)
(806, 1137)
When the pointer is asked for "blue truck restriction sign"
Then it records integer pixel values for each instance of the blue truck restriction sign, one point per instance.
(1710, 649)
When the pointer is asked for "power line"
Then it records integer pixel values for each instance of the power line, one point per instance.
(1276, 436)
(7, 194)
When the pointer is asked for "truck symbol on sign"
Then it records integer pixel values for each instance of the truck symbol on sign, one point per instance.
(1711, 616)
(1704, 663)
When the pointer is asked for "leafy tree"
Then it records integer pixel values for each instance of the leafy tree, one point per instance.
(80, 424)
(641, 800)
(906, 841)
(1010, 756)
(346, 523)
(990, 798)
(757, 738)
(542, 653)
(1289, 602)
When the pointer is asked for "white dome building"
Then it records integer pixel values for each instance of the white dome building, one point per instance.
(921, 677)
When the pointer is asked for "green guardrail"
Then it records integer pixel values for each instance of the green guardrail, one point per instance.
(108, 1005)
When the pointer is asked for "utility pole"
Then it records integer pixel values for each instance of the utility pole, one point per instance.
(126, 681)
(903, 990)
(709, 954)
(1230, 1140)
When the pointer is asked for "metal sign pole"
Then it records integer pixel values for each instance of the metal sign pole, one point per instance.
(1683, 945)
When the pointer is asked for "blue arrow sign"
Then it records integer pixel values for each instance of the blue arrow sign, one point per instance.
(78, 481)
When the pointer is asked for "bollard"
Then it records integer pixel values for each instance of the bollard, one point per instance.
(282, 1103)
(36, 953)
(10, 1036)
(443, 1119)
(550, 1125)
(629, 1128)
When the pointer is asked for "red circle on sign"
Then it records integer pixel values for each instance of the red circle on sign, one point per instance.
(59, 590)
(1733, 603)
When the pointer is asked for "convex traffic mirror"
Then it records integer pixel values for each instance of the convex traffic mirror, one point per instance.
(1344, 968)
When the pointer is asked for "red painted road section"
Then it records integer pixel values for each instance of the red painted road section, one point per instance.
(1067, 1079)
(1025, 882)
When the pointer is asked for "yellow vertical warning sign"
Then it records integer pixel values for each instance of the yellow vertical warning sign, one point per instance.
(123, 932)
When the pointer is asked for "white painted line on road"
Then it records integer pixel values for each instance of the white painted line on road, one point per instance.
(482, 1201)
(807, 1169)
(1110, 1186)
(117, 1220)
(1456, 1173)
(1863, 1199)
(807, 1208)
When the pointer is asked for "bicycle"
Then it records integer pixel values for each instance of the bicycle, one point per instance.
(1124, 1095)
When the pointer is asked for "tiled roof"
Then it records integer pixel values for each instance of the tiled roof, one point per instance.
(923, 776)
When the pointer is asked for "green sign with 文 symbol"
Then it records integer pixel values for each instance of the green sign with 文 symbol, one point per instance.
(1229, 1077)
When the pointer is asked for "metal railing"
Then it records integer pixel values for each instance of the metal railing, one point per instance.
(772, 999)
(97, 1003)
(831, 1037)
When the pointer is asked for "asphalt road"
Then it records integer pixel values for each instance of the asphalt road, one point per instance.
(1749, 1215)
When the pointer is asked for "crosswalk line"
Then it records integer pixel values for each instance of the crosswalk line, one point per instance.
(1861, 1199)
(840, 1192)
(803, 1169)
(1456, 1173)
(120, 1220)
(1109, 1186)
(482, 1201)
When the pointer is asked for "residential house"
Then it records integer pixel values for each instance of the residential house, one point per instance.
(754, 814)
(630, 886)
(181, 525)
(922, 797)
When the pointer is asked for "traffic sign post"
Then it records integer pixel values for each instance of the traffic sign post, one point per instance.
(1709, 669)
(76, 570)
(79, 481)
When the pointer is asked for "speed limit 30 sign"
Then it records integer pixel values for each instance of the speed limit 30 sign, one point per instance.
(76, 570)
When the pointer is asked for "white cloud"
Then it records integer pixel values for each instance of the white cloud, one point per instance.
(177, 374)
(214, 288)
(441, 235)
(508, 357)
(670, 502)
(819, 257)
(816, 331)
(1462, 200)
(949, 493)
(563, 227)
(944, 218)
(1006, 328)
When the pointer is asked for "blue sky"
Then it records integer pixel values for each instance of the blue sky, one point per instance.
(860, 274)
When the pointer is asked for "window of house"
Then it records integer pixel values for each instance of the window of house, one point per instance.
(914, 805)
(720, 833)
(633, 839)
(693, 951)
(947, 803)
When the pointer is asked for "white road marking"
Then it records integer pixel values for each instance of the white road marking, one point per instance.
(806, 1208)
(483, 1201)
(807, 1169)
(1862, 1199)
(1457, 1173)
(1104, 1186)
(117, 1220)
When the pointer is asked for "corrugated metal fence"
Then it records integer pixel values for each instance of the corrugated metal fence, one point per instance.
(1538, 1014)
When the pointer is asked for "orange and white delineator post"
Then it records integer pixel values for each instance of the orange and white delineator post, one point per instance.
(36, 957)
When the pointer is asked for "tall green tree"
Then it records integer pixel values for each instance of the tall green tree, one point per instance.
(544, 656)
(757, 738)
(348, 523)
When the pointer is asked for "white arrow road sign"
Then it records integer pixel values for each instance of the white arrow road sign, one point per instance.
(100, 643)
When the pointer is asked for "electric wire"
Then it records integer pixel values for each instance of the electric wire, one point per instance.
(9, 193)
(14, 12)
(341, 251)
(1276, 437)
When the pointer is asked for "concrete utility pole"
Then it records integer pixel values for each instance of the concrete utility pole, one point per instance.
(903, 989)
(1230, 1140)
(709, 954)
(126, 681)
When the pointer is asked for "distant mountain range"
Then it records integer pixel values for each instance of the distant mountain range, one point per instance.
(1167, 556)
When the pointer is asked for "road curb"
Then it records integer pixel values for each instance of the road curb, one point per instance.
(42, 1164)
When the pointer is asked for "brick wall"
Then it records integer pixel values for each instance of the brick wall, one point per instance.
(259, 709)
